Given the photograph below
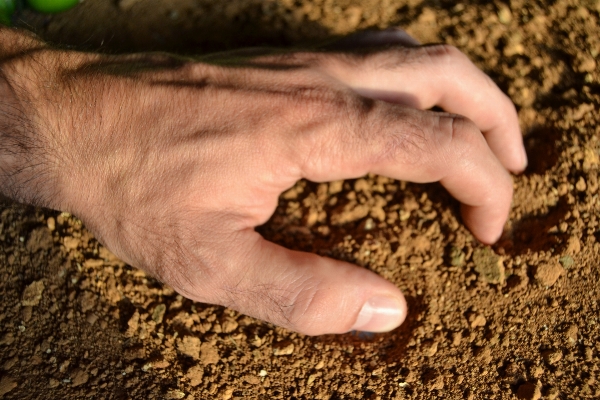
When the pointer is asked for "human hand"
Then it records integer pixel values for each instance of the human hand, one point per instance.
(172, 162)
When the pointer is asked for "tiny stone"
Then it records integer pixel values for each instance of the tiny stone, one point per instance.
(71, 243)
(26, 313)
(456, 339)
(586, 64)
(159, 313)
(548, 273)
(566, 261)
(175, 394)
(161, 364)
(589, 353)
(6, 385)
(91, 319)
(489, 265)
(283, 348)
(581, 185)
(190, 346)
(195, 375)
(573, 246)
(529, 391)
(229, 325)
(430, 350)
(51, 223)
(478, 320)
(457, 257)
(251, 379)
(79, 377)
(552, 356)
(572, 334)
(504, 15)
(537, 372)
(33, 294)
(553, 394)
(209, 354)
(228, 393)
(336, 187)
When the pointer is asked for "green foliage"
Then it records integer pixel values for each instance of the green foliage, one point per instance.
(52, 6)
(7, 8)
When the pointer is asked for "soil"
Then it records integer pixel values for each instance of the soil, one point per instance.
(519, 319)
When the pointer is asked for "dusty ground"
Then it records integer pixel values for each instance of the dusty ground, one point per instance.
(519, 319)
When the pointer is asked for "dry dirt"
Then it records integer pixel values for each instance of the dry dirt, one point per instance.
(516, 320)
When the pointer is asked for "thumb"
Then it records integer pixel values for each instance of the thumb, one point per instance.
(307, 293)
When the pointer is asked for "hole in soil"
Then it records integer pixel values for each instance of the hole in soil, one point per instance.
(542, 149)
(126, 311)
(535, 233)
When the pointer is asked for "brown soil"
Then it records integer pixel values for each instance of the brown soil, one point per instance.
(519, 319)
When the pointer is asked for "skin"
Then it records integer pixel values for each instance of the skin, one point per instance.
(173, 162)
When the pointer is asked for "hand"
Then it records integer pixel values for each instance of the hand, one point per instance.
(172, 162)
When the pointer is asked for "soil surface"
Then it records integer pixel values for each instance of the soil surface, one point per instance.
(519, 319)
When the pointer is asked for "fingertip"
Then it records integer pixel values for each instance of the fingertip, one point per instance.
(486, 228)
(524, 160)
(519, 161)
(491, 237)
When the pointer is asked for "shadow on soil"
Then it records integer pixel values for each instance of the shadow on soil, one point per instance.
(174, 26)
(536, 233)
(542, 149)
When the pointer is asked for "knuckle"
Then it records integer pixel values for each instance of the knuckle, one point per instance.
(463, 133)
(335, 126)
(443, 56)
(442, 53)
(384, 133)
(409, 142)
(458, 140)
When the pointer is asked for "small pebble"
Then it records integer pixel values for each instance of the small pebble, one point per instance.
(504, 15)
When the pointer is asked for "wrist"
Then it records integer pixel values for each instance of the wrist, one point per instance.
(28, 121)
(16, 141)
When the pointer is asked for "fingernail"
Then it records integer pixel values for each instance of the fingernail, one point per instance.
(379, 314)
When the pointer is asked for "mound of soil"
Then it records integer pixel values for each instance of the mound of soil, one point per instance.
(519, 319)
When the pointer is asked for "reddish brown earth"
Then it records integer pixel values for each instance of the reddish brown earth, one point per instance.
(519, 319)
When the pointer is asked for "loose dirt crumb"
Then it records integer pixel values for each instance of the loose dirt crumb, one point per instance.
(283, 348)
(194, 375)
(190, 346)
(79, 377)
(32, 295)
(209, 354)
(488, 265)
(529, 391)
(6, 385)
(548, 272)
